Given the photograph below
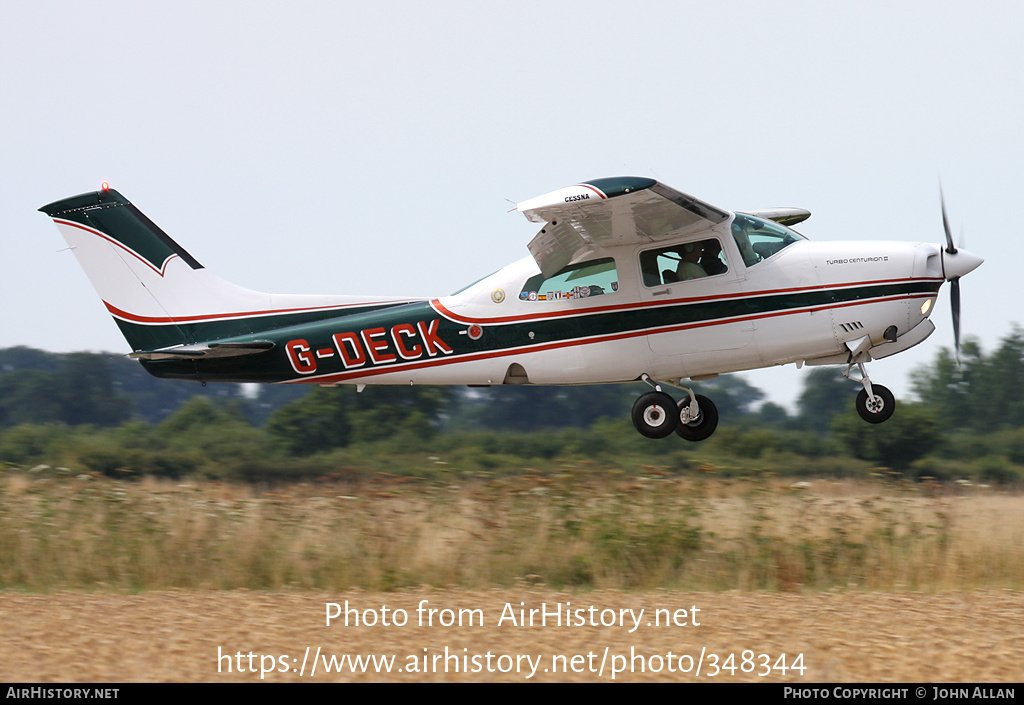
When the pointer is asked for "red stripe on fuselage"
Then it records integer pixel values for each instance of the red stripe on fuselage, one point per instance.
(541, 347)
(210, 317)
(499, 320)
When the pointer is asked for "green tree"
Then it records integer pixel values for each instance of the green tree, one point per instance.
(825, 395)
(527, 407)
(982, 393)
(773, 415)
(911, 433)
(335, 417)
(217, 439)
(154, 399)
(78, 391)
(733, 396)
(87, 392)
(384, 412)
(21, 357)
(317, 422)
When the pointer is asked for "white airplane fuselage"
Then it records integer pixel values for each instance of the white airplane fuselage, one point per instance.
(803, 304)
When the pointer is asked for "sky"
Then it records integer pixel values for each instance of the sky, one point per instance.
(376, 148)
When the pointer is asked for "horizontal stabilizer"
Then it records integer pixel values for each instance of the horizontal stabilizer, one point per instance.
(205, 350)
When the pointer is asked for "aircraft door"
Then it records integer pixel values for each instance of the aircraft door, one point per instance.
(690, 290)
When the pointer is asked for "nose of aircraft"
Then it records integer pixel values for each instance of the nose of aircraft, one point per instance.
(957, 264)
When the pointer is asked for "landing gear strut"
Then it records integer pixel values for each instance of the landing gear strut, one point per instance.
(875, 403)
(697, 427)
(656, 414)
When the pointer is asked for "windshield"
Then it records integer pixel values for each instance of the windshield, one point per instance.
(759, 239)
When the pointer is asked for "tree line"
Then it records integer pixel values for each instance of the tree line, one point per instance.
(112, 416)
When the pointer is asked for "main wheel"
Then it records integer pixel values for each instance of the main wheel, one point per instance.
(877, 409)
(701, 427)
(654, 414)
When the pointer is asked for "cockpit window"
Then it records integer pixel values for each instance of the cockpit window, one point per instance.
(691, 260)
(759, 239)
(577, 281)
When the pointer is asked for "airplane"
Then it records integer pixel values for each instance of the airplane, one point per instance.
(627, 280)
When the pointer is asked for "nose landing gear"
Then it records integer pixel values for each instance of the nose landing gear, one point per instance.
(657, 415)
(875, 403)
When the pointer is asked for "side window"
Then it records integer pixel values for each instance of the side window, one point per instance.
(577, 281)
(691, 260)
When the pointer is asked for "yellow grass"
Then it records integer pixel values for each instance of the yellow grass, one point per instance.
(157, 581)
(575, 530)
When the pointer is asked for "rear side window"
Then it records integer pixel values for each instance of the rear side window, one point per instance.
(577, 281)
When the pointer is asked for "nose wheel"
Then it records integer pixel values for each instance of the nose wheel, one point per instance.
(875, 403)
(877, 407)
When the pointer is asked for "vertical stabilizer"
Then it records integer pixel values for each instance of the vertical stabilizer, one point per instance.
(160, 295)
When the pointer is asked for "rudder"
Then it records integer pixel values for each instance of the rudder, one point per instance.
(146, 280)
(160, 296)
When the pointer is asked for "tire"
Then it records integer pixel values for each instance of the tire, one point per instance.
(654, 415)
(880, 408)
(705, 424)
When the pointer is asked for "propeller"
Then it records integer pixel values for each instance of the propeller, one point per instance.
(955, 264)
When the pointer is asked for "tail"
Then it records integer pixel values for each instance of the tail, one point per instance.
(161, 296)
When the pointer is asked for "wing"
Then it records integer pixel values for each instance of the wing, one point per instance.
(607, 212)
(783, 216)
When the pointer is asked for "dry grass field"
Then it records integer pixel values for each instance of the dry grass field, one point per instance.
(198, 581)
(843, 637)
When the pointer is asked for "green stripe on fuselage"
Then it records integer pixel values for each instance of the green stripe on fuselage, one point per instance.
(567, 329)
(233, 330)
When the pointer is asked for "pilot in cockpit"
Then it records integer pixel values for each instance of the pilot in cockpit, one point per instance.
(689, 265)
(711, 259)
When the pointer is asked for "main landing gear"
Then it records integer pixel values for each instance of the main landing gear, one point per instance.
(875, 403)
(657, 415)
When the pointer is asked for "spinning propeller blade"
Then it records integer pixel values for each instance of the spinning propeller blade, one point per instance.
(954, 299)
(950, 247)
(954, 283)
(955, 264)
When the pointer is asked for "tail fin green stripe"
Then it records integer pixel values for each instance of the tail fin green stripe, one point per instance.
(113, 215)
